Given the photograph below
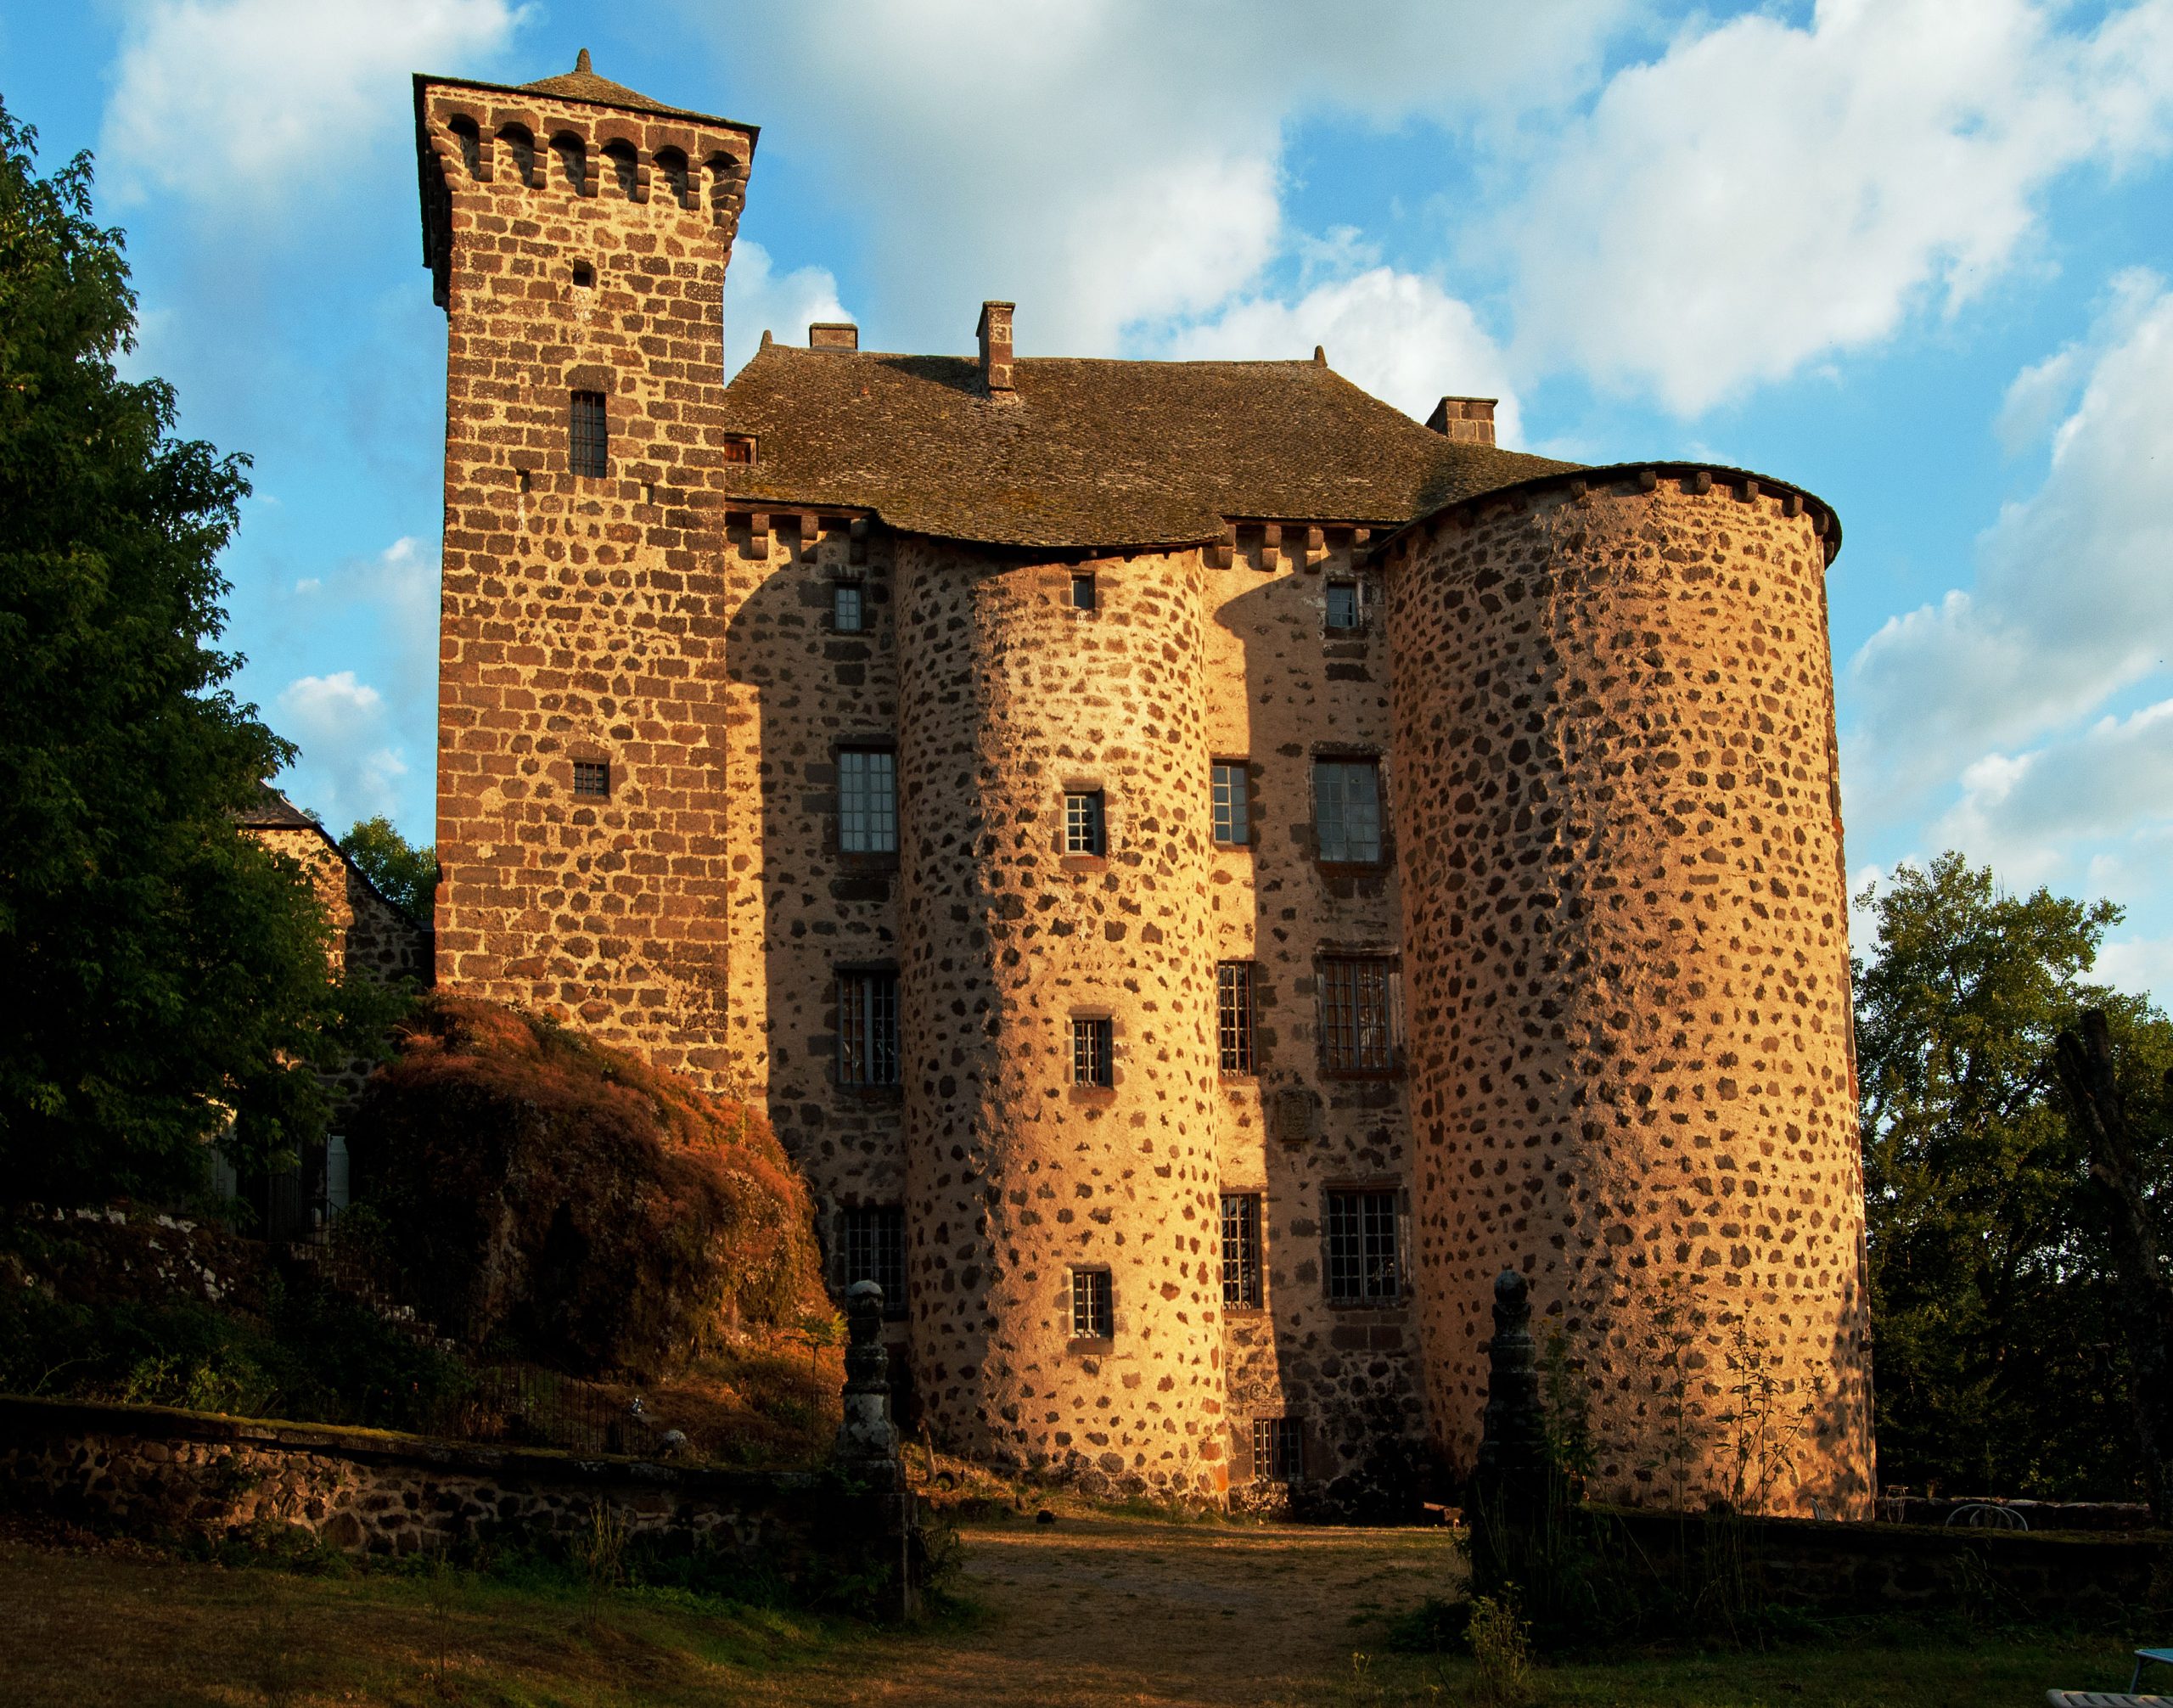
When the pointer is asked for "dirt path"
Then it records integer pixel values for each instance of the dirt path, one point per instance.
(1102, 1611)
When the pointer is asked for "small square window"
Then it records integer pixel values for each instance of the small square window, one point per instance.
(1241, 1250)
(1093, 1313)
(584, 274)
(1343, 611)
(1084, 596)
(1086, 829)
(589, 448)
(873, 1238)
(592, 776)
(739, 447)
(1278, 1453)
(1232, 795)
(1362, 1263)
(1233, 1015)
(1092, 1052)
(1347, 810)
(868, 1029)
(848, 615)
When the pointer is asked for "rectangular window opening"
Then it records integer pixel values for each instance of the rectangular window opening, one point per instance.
(1086, 828)
(1092, 1052)
(739, 447)
(848, 615)
(1347, 810)
(591, 441)
(1085, 596)
(1241, 1250)
(867, 801)
(1278, 1450)
(1232, 794)
(1233, 1015)
(868, 1029)
(1362, 1263)
(1343, 610)
(592, 778)
(1093, 1313)
(1358, 1015)
(873, 1238)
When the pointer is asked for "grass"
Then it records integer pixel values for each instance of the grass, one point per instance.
(1093, 1611)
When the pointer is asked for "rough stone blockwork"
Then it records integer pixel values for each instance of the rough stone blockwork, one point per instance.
(1625, 912)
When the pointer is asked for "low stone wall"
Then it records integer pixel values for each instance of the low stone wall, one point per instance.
(1835, 1567)
(162, 1474)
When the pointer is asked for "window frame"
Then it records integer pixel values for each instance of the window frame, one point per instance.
(867, 1014)
(1093, 1052)
(1229, 802)
(1278, 1450)
(1339, 767)
(1243, 1288)
(1361, 1044)
(872, 1247)
(876, 814)
(1093, 1304)
(588, 436)
(1087, 825)
(1237, 1037)
(588, 772)
(1356, 1221)
(1356, 589)
(848, 587)
(1088, 582)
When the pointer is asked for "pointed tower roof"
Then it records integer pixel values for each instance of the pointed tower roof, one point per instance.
(582, 84)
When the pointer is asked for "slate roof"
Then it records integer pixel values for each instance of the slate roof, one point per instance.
(582, 84)
(1091, 453)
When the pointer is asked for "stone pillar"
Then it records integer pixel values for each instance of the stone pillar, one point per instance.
(868, 1440)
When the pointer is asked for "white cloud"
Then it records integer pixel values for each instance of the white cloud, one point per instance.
(394, 597)
(758, 299)
(1399, 336)
(2069, 607)
(2143, 966)
(1764, 196)
(258, 100)
(348, 768)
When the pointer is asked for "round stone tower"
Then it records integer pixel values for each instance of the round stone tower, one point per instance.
(1062, 1262)
(1624, 917)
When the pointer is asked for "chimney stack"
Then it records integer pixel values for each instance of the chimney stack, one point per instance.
(833, 334)
(995, 333)
(1464, 421)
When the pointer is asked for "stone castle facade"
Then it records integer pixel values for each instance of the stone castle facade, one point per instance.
(1201, 870)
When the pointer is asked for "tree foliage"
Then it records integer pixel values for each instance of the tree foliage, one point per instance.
(162, 971)
(405, 874)
(1997, 1366)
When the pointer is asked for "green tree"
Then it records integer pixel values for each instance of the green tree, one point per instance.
(405, 873)
(164, 974)
(1997, 1366)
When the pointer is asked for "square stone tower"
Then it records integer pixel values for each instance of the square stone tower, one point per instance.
(577, 234)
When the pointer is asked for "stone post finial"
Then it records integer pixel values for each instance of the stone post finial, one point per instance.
(867, 1438)
(581, 62)
(1511, 1477)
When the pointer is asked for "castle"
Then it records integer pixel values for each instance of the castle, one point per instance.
(1202, 871)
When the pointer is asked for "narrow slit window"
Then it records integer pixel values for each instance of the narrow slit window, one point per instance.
(1362, 1260)
(1233, 1015)
(1232, 794)
(592, 778)
(848, 613)
(1093, 1062)
(873, 1238)
(868, 1029)
(591, 441)
(1347, 810)
(1277, 1450)
(867, 801)
(1085, 595)
(1343, 610)
(1357, 1017)
(1093, 1311)
(1086, 826)
(1241, 1250)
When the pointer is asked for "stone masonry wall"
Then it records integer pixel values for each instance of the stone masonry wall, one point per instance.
(368, 933)
(581, 620)
(1009, 697)
(1625, 924)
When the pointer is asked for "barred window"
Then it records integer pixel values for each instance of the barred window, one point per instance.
(592, 776)
(1347, 809)
(1233, 804)
(1357, 1016)
(1277, 1452)
(1233, 1015)
(1085, 828)
(868, 1029)
(847, 615)
(1091, 1052)
(1093, 1310)
(1343, 611)
(873, 1238)
(591, 440)
(1241, 1249)
(1085, 595)
(1361, 1246)
(867, 801)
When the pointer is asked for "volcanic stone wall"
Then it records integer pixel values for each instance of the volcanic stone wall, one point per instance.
(582, 248)
(1625, 931)
(1009, 698)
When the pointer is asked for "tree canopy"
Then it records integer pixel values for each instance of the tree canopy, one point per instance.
(1998, 1363)
(406, 874)
(163, 973)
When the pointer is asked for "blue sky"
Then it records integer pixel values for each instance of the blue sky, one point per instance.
(1914, 254)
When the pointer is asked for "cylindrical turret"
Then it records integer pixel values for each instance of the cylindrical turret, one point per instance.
(1058, 1006)
(1626, 936)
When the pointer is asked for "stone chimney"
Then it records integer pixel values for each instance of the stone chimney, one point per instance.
(995, 333)
(833, 334)
(1464, 421)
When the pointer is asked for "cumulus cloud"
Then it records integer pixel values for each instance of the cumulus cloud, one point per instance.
(1764, 196)
(257, 99)
(349, 768)
(2069, 609)
(759, 299)
(391, 599)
